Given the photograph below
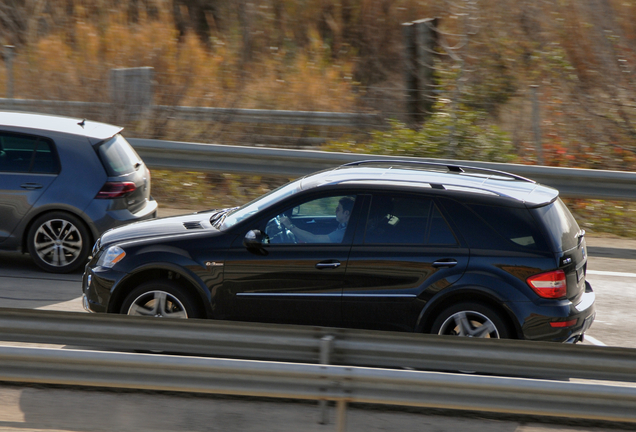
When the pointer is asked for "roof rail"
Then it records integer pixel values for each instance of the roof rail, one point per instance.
(450, 167)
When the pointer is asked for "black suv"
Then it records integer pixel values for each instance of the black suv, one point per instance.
(405, 246)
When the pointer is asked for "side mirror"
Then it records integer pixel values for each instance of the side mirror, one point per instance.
(253, 239)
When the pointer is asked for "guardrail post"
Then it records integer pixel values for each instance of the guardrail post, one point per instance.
(536, 124)
(326, 347)
(8, 60)
(420, 41)
(131, 92)
(341, 416)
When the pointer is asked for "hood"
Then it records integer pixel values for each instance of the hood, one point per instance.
(164, 227)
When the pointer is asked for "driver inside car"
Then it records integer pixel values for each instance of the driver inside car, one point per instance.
(343, 212)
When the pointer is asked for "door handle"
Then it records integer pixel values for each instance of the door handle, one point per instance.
(328, 265)
(31, 186)
(448, 262)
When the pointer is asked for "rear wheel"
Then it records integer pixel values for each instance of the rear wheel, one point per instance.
(470, 320)
(58, 242)
(160, 299)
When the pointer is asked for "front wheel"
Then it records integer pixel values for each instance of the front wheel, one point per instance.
(160, 299)
(470, 320)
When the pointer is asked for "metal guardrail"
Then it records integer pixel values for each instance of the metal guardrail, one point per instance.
(343, 384)
(232, 115)
(571, 182)
(305, 344)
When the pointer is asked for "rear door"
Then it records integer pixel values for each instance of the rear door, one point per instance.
(28, 166)
(402, 255)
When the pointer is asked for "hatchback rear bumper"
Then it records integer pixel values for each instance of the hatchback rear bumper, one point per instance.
(105, 218)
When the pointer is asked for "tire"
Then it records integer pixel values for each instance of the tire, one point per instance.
(160, 299)
(58, 242)
(470, 320)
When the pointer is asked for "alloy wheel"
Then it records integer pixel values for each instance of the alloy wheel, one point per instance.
(58, 242)
(160, 304)
(469, 324)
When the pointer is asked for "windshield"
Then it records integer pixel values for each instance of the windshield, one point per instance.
(235, 216)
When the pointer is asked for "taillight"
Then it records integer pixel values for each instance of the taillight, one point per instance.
(550, 285)
(558, 324)
(115, 190)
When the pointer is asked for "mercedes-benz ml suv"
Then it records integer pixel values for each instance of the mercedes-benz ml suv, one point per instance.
(415, 247)
(64, 181)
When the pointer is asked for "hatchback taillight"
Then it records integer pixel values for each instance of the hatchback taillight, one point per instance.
(551, 285)
(115, 190)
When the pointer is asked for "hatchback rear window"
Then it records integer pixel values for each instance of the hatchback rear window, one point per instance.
(560, 224)
(118, 156)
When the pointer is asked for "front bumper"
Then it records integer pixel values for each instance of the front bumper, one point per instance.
(97, 288)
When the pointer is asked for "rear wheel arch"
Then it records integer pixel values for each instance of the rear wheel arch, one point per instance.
(183, 281)
(430, 313)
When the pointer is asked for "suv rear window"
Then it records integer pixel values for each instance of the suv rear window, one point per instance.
(560, 224)
(118, 156)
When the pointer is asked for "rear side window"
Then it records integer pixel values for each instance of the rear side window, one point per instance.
(27, 154)
(496, 227)
(118, 156)
(560, 224)
(514, 224)
(406, 220)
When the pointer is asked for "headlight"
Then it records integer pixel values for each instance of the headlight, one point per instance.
(111, 256)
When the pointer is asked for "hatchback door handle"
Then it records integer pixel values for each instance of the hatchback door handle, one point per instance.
(328, 265)
(31, 186)
(449, 262)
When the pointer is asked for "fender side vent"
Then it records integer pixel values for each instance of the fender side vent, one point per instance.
(192, 225)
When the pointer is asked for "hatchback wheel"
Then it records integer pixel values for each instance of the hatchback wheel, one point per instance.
(58, 242)
(470, 320)
(160, 299)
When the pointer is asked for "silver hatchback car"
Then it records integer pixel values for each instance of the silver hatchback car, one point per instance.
(64, 181)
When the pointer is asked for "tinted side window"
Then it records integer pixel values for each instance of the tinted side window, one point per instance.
(118, 156)
(23, 153)
(406, 220)
(440, 233)
(513, 224)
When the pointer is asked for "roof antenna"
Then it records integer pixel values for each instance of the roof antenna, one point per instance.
(82, 123)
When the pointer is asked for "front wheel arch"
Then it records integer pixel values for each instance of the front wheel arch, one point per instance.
(181, 299)
(186, 283)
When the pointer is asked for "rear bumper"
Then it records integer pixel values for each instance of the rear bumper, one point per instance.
(558, 322)
(104, 218)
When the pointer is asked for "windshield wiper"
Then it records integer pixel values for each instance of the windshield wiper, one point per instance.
(217, 218)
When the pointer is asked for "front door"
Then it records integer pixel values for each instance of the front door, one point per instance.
(297, 276)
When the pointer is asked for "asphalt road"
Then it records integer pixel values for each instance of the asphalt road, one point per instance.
(611, 271)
